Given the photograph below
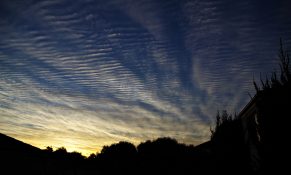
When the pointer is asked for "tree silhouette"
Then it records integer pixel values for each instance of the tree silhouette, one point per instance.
(223, 122)
(229, 149)
(273, 101)
(49, 149)
(118, 158)
(285, 74)
(160, 156)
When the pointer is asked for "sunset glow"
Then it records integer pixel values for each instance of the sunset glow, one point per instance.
(84, 74)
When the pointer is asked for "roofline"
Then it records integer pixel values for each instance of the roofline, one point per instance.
(248, 105)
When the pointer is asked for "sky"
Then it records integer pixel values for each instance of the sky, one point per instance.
(83, 74)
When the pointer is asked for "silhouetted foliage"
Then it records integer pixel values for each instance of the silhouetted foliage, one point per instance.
(116, 158)
(61, 151)
(76, 156)
(162, 155)
(285, 74)
(49, 149)
(223, 121)
(92, 156)
(229, 149)
(272, 103)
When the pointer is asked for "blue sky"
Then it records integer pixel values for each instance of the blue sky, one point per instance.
(83, 74)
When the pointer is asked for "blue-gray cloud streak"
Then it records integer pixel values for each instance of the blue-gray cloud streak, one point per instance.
(130, 70)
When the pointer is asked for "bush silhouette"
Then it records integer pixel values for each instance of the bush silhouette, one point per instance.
(118, 158)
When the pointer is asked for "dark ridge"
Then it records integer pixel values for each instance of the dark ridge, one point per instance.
(12, 145)
(18, 157)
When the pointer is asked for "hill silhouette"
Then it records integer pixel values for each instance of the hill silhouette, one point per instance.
(18, 157)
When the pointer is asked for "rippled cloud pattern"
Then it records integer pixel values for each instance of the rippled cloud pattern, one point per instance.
(83, 74)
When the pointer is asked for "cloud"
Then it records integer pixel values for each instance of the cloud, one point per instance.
(91, 74)
(228, 46)
(71, 124)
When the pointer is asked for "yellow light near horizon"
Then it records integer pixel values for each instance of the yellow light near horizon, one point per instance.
(70, 145)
